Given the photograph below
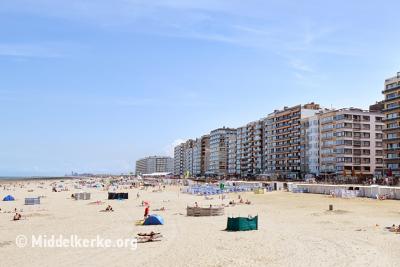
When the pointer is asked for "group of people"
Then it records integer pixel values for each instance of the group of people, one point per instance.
(395, 229)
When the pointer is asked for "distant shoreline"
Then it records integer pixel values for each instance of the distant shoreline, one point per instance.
(35, 178)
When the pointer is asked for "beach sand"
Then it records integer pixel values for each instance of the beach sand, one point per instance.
(294, 230)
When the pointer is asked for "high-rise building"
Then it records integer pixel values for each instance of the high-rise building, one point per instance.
(309, 151)
(219, 144)
(249, 152)
(282, 146)
(391, 112)
(179, 158)
(232, 155)
(351, 142)
(188, 157)
(201, 155)
(154, 164)
(141, 166)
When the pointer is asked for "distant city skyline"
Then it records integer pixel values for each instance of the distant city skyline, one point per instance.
(92, 86)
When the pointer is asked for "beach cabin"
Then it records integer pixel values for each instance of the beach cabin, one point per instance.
(82, 196)
(117, 195)
(32, 201)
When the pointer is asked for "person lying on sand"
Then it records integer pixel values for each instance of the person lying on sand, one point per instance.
(148, 234)
(150, 237)
(160, 209)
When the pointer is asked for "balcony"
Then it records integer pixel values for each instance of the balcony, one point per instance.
(391, 139)
(396, 97)
(391, 119)
(391, 129)
(387, 90)
(391, 108)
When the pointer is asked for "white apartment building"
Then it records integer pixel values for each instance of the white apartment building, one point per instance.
(219, 144)
(310, 142)
(351, 142)
(154, 164)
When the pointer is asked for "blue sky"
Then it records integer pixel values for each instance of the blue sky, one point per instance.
(91, 86)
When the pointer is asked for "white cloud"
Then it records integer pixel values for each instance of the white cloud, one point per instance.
(299, 65)
(37, 50)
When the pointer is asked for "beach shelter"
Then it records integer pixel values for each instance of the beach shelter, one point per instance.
(32, 201)
(8, 198)
(242, 224)
(154, 220)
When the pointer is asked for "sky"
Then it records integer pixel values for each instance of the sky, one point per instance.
(91, 86)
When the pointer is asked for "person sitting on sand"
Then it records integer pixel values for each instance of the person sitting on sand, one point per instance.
(109, 208)
(247, 202)
(17, 217)
(196, 205)
(241, 201)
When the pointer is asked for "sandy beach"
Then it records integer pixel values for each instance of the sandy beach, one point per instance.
(294, 230)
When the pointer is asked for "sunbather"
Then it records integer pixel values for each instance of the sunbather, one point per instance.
(17, 217)
(149, 237)
(109, 208)
(148, 234)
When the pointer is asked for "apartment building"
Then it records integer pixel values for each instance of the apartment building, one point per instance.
(188, 157)
(154, 164)
(391, 112)
(201, 155)
(310, 141)
(249, 149)
(141, 166)
(232, 155)
(179, 157)
(219, 145)
(282, 140)
(351, 142)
